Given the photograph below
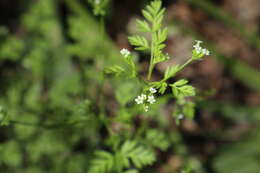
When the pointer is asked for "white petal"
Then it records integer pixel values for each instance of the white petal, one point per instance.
(152, 90)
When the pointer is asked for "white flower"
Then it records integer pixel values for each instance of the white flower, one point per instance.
(197, 46)
(125, 52)
(143, 99)
(153, 90)
(205, 51)
(140, 99)
(198, 42)
(151, 99)
(199, 49)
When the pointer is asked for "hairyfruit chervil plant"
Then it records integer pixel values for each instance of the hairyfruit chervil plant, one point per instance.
(128, 148)
(154, 43)
(135, 148)
(115, 141)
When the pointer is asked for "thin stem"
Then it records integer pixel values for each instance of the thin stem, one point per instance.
(185, 64)
(180, 68)
(151, 65)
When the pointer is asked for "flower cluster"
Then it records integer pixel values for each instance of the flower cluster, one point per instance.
(140, 99)
(199, 49)
(146, 99)
(125, 52)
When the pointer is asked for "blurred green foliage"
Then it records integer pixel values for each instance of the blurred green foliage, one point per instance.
(55, 100)
(245, 155)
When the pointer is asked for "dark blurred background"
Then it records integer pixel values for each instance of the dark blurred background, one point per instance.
(225, 134)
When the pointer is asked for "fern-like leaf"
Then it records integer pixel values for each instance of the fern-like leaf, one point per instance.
(157, 139)
(103, 163)
(139, 42)
(115, 70)
(139, 155)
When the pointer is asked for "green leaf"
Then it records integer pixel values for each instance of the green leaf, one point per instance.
(103, 163)
(163, 87)
(161, 46)
(188, 90)
(147, 15)
(154, 7)
(184, 91)
(158, 21)
(171, 71)
(143, 26)
(139, 155)
(157, 139)
(139, 42)
(154, 14)
(180, 89)
(115, 70)
(161, 35)
(180, 82)
(159, 56)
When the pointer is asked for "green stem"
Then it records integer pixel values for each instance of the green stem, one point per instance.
(185, 64)
(180, 68)
(151, 65)
(150, 70)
